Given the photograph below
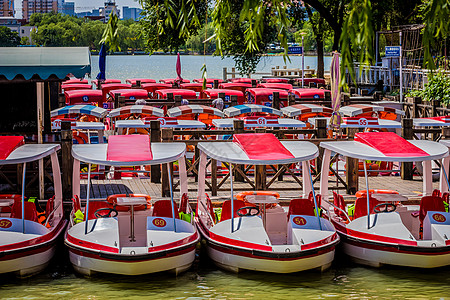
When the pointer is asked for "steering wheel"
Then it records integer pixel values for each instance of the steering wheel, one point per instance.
(249, 211)
(109, 210)
(388, 207)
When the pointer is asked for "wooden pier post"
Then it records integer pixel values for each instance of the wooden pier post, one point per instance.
(177, 100)
(116, 100)
(67, 159)
(276, 100)
(260, 171)
(121, 101)
(238, 126)
(213, 177)
(254, 83)
(291, 100)
(216, 83)
(61, 100)
(167, 136)
(406, 171)
(155, 137)
(352, 165)
(416, 108)
(224, 74)
(234, 100)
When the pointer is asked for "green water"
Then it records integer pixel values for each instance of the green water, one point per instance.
(204, 281)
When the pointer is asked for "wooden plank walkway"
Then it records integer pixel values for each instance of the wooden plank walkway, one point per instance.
(102, 188)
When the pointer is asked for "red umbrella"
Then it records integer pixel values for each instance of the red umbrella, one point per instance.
(179, 79)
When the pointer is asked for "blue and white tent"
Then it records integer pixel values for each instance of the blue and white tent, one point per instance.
(250, 108)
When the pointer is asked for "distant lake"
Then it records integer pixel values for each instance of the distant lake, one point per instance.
(163, 66)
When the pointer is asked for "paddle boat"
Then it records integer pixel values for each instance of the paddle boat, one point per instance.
(238, 86)
(384, 229)
(106, 88)
(275, 80)
(202, 113)
(133, 81)
(131, 95)
(276, 85)
(209, 81)
(196, 87)
(106, 81)
(75, 81)
(28, 233)
(94, 97)
(241, 80)
(307, 81)
(171, 81)
(76, 86)
(253, 231)
(130, 119)
(370, 111)
(151, 88)
(214, 94)
(303, 112)
(309, 93)
(264, 96)
(129, 234)
(185, 94)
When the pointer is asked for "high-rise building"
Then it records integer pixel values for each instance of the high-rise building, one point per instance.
(30, 7)
(6, 8)
(109, 7)
(131, 13)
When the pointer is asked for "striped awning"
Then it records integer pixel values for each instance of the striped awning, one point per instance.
(250, 108)
(194, 109)
(136, 109)
(299, 109)
(358, 109)
(91, 110)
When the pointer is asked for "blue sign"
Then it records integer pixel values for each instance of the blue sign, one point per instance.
(393, 51)
(85, 98)
(295, 50)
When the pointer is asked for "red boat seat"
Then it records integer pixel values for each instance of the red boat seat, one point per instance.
(30, 211)
(94, 205)
(301, 206)
(338, 200)
(361, 206)
(430, 203)
(226, 209)
(163, 208)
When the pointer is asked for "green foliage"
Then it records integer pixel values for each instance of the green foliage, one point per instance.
(195, 43)
(110, 35)
(437, 88)
(8, 38)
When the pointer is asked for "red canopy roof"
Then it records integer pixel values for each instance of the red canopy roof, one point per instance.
(282, 86)
(83, 96)
(186, 94)
(76, 86)
(130, 93)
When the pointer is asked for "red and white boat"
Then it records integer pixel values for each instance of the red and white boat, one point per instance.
(260, 234)
(129, 234)
(383, 229)
(28, 233)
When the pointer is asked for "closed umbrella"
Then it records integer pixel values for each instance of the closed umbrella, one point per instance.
(335, 121)
(179, 79)
(102, 63)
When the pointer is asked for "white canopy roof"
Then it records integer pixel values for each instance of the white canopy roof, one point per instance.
(97, 153)
(30, 152)
(361, 151)
(231, 152)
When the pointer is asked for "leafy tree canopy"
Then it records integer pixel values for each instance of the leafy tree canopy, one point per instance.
(8, 38)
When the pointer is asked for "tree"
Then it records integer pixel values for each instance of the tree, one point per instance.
(8, 38)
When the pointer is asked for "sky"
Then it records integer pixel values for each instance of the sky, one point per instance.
(82, 5)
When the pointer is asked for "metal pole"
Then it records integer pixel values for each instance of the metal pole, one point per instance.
(401, 69)
(23, 197)
(86, 213)
(314, 197)
(171, 197)
(367, 195)
(232, 200)
(303, 62)
(445, 173)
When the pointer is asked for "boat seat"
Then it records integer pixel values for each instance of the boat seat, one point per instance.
(301, 206)
(163, 208)
(430, 203)
(361, 206)
(30, 211)
(226, 209)
(338, 200)
(94, 205)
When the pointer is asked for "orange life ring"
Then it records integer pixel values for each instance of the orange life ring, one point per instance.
(112, 199)
(80, 137)
(242, 195)
(362, 193)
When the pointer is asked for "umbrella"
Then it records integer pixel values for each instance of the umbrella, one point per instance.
(335, 121)
(102, 63)
(179, 79)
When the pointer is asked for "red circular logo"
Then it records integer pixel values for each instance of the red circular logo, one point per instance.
(4, 223)
(299, 221)
(439, 218)
(162, 121)
(159, 222)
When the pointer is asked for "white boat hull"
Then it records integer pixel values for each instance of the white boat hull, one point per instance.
(28, 265)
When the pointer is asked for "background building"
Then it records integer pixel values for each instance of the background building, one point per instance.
(107, 9)
(131, 13)
(30, 7)
(6, 8)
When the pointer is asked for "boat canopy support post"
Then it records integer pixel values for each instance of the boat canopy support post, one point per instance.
(88, 192)
(310, 182)
(443, 183)
(23, 196)
(367, 194)
(76, 178)
(324, 174)
(201, 177)
(307, 179)
(57, 184)
(427, 178)
(183, 176)
(232, 198)
(169, 172)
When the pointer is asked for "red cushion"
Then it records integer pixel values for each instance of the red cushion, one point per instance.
(94, 205)
(430, 203)
(226, 209)
(383, 141)
(301, 206)
(361, 206)
(30, 211)
(8, 144)
(252, 146)
(129, 148)
(163, 208)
